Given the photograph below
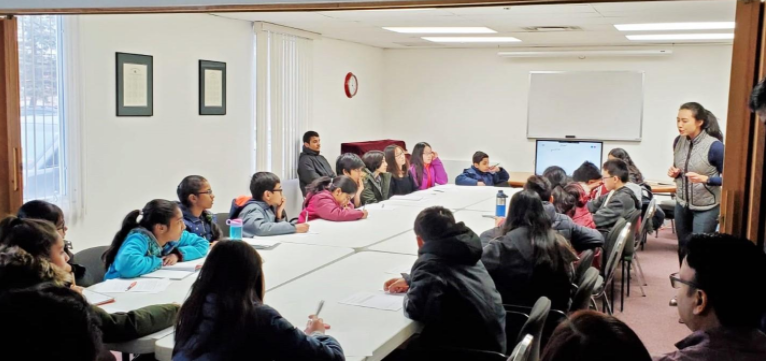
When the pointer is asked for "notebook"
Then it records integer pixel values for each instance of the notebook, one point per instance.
(95, 298)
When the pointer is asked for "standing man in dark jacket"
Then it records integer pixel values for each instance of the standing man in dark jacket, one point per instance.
(311, 165)
(449, 290)
(620, 202)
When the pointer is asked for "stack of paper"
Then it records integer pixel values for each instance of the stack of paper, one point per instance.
(95, 298)
(191, 266)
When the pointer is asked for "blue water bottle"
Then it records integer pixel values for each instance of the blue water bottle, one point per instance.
(235, 229)
(500, 203)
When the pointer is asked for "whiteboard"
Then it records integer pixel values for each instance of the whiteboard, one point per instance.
(586, 105)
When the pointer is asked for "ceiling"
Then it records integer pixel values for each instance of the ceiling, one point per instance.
(595, 22)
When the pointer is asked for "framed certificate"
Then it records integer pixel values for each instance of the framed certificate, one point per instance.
(212, 88)
(135, 93)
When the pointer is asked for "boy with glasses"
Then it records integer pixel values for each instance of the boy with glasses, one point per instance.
(720, 288)
(264, 214)
(620, 202)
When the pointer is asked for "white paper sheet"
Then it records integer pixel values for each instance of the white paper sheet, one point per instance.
(142, 285)
(151, 285)
(402, 268)
(95, 298)
(378, 207)
(213, 88)
(378, 300)
(408, 197)
(191, 266)
(172, 275)
(261, 242)
(134, 83)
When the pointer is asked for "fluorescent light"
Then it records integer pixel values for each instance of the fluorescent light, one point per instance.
(719, 36)
(441, 30)
(676, 26)
(468, 39)
(583, 53)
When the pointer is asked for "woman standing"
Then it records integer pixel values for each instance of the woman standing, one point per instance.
(697, 168)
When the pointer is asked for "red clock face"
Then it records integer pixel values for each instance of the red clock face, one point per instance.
(351, 85)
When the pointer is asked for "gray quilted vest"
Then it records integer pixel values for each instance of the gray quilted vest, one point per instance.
(692, 156)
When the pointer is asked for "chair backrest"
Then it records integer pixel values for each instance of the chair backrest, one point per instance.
(523, 349)
(586, 262)
(220, 220)
(535, 325)
(610, 240)
(614, 257)
(630, 243)
(585, 290)
(647, 220)
(90, 258)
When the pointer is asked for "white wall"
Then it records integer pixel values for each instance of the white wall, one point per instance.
(131, 160)
(464, 100)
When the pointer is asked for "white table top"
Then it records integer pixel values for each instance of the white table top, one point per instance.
(450, 196)
(282, 264)
(406, 243)
(364, 333)
(488, 205)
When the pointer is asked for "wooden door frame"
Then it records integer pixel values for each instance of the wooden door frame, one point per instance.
(11, 194)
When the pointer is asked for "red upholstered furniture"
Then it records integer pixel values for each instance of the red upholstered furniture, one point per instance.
(359, 148)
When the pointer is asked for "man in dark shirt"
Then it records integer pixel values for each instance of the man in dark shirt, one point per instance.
(311, 165)
(720, 298)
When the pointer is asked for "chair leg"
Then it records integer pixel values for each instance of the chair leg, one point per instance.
(673, 225)
(640, 273)
(611, 303)
(607, 306)
(630, 263)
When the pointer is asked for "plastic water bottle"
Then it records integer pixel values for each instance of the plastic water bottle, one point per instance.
(500, 203)
(235, 228)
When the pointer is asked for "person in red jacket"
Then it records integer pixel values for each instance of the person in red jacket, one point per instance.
(330, 199)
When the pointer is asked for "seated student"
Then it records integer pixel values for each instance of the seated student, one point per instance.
(264, 214)
(556, 175)
(48, 323)
(449, 290)
(21, 269)
(225, 317)
(620, 202)
(719, 301)
(529, 259)
(427, 169)
(482, 174)
(195, 200)
(377, 182)
(311, 165)
(38, 238)
(582, 238)
(644, 190)
(159, 239)
(588, 178)
(37, 209)
(568, 201)
(350, 165)
(330, 199)
(594, 336)
(402, 182)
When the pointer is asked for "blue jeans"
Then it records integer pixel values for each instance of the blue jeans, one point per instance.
(690, 222)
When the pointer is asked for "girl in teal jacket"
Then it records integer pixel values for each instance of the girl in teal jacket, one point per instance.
(159, 239)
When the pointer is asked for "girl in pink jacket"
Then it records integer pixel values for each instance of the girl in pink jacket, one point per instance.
(330, 199)
(427, 169)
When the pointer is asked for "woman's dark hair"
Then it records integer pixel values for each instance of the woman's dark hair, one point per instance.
(262, 182)
(348, 162)
(565, 201)
(593, 336)
(586, 172)
(391, 161)
(539, 185)
(191, 185)
(345, 183)
(527, 211)
(373, 159)
(35, 236)
(158, 211)
(417, 161)
(232, 278)
(46, 211)
(556, 175)
(68, 322)
(635, 174)
(574, 190)
(709, 121)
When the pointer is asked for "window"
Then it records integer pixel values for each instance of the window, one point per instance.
(283, 72)
(50, 111)
(43, 120)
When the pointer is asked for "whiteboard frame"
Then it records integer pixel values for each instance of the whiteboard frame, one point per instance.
(640, 122)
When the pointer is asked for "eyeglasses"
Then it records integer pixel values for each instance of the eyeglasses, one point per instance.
(276, 190)
(208, 192)
(676, 282)
(605, 178)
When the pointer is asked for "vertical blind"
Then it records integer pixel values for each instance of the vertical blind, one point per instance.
(284, 64)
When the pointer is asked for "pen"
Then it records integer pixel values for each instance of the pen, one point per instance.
(131, 286)
(319, 309)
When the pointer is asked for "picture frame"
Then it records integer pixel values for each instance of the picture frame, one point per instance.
(135, 85)
(212, 87)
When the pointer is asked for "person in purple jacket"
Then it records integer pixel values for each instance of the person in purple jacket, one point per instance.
(427, 169)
